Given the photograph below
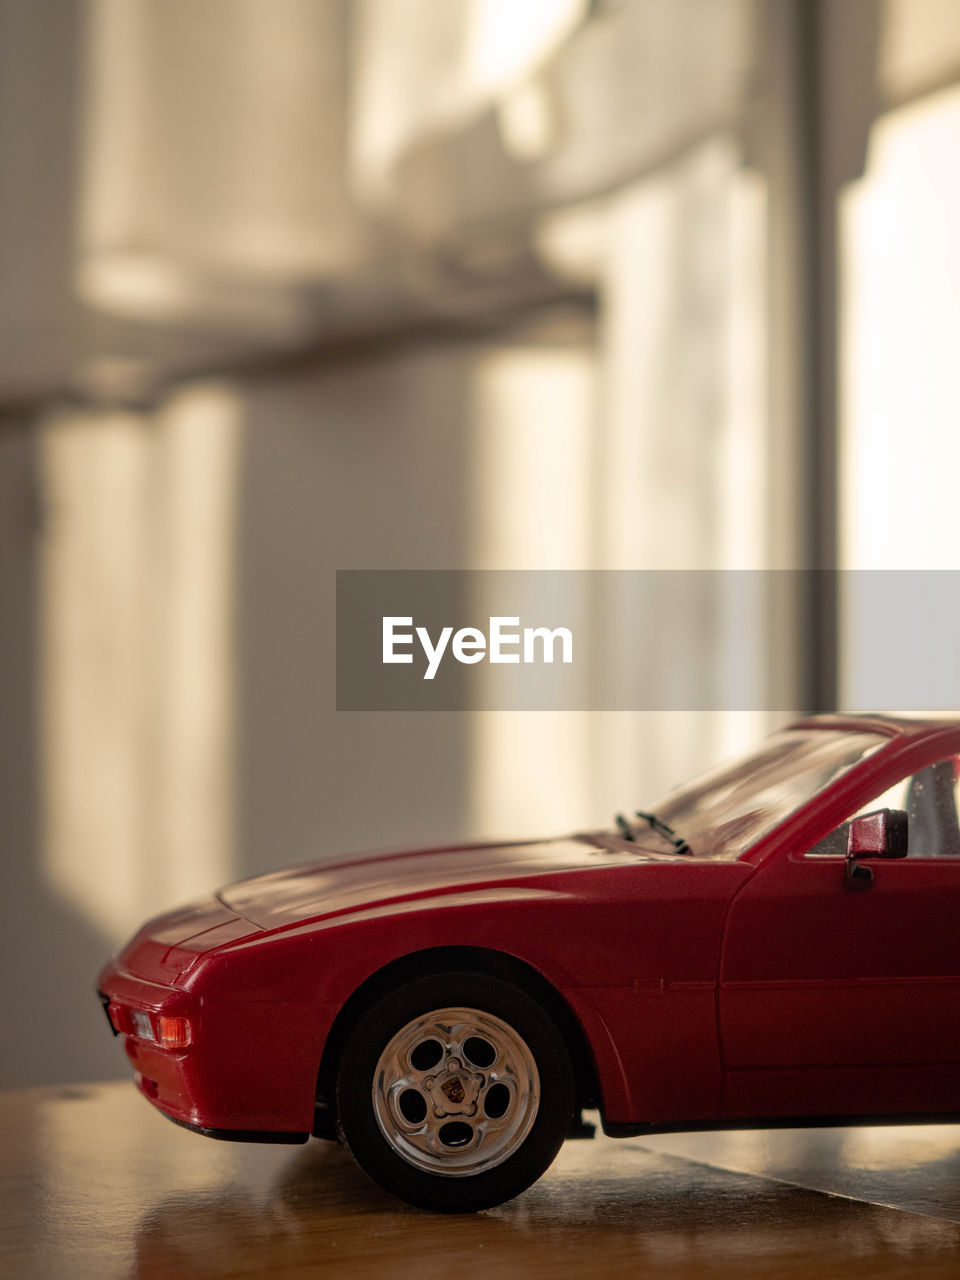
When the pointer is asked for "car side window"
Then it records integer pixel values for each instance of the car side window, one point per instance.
(930, 799)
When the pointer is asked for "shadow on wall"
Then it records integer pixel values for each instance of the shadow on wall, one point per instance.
(361, 467)
(53, 1029)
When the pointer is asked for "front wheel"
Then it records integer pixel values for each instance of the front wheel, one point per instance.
(455, 1092)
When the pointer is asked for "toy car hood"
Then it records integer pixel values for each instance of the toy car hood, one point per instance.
(322, 889)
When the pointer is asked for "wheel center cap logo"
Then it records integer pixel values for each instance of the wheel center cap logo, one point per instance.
(454, 1090)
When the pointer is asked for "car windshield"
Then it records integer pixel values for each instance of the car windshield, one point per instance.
(723, 812)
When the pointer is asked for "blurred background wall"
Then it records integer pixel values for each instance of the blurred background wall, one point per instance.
(288, 286)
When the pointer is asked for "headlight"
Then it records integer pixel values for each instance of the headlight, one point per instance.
(169, 1031)
(142, 1024)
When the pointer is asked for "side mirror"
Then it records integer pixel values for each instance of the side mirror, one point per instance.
(882, 834)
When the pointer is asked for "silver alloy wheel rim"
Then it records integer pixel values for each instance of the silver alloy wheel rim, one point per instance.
(456, 1091)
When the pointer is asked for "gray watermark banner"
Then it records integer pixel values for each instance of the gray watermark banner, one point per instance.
(619, 640)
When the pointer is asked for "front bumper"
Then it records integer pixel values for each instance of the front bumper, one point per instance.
(168, 1077)
(249, 1072)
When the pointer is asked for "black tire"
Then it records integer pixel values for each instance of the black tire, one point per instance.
(405, 1112)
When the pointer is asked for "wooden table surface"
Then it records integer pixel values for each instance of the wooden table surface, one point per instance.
(94, 1183)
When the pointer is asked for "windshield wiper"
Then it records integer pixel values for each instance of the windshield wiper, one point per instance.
(628, 830)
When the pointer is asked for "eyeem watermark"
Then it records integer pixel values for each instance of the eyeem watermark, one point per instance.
(507, 643)
(645, 640)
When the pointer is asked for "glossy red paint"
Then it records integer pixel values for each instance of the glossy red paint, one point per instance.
(707, 992)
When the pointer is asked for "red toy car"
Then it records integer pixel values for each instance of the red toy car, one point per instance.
(775, 944)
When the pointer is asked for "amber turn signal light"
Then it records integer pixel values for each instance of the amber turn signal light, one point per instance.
(173, 1033)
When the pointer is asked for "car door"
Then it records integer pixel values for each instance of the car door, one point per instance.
(833, 1001)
